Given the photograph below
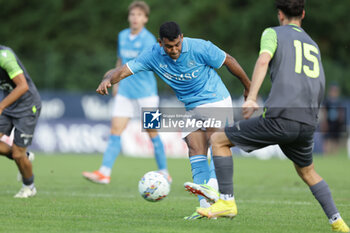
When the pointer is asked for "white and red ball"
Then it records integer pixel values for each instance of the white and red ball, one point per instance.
(153, 186)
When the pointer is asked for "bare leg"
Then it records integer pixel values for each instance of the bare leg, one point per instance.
(221, 144)
(197, 143)
(118, 125)
(22, 161)
(308, 174)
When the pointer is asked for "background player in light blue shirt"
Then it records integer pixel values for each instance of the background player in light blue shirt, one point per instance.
(132, 94)
(188, 66)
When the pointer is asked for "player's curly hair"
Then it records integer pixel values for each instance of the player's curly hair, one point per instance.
(291, 8)
(169, 30)
(140, 4)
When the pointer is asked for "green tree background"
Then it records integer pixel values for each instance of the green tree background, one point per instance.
(69, 44)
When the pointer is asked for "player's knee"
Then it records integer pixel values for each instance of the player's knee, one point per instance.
(18, 152)
(219, 139)
(307, 173)
(115, 130)
(18, 155)
(214, 139)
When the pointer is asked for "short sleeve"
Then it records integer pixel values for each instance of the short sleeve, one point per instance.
(9, 63)
(268, 42)
(141, 63)
(213, 55)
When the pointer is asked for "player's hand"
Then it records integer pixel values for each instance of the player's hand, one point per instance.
(102, 89)
(245, 94)
(248, 108)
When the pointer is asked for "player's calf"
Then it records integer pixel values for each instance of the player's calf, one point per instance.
(31, 157)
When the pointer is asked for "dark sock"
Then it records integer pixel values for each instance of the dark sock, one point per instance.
(324, 197)
(224, 173)
(28, 181)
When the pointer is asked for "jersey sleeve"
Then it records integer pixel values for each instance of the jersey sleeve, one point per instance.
(9, 63)
(268, 42)
(213, 55)
(141, 63)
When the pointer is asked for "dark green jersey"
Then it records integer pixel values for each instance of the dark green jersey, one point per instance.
(297, 75)
(10, 67)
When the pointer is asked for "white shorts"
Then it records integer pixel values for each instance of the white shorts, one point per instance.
(204, 112)
(125, 107)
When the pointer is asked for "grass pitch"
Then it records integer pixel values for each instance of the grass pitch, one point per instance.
(270, 198)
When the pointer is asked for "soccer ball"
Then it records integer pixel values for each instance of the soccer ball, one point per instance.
(153, 186)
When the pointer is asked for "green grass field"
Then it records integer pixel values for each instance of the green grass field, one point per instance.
(270, 198)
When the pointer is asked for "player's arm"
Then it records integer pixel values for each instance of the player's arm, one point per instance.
(234, 67)
(258, 77)
(268, 47)
(139, 64)
(113, 76)
(115, 86)
(214, 57)
(9, 63)
(21, 88)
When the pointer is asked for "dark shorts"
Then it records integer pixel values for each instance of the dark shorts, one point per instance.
(24, 128)
(294, 138)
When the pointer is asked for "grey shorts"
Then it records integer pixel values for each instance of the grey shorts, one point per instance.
(294, 138)
(23, 128)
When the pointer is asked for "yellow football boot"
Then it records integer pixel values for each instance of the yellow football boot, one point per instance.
(221, 208)
(340, 226)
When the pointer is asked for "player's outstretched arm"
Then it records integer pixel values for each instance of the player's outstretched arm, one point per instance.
(113, 76)
(258, 77)
(116, 86)
(234, 67)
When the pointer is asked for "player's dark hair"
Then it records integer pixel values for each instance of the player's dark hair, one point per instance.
(169, 30)
(291, 8)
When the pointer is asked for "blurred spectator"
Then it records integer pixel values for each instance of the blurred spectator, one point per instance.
(333, 120)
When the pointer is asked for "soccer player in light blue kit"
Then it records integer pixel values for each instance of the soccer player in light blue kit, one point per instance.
(188, 66)
(132, 94)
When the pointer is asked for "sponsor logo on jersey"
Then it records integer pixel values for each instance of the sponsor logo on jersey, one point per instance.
(182, 77)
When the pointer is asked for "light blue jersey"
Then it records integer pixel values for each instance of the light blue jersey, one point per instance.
(142, 84)
(192, 75)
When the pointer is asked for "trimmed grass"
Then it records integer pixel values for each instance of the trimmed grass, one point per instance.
(270, 197)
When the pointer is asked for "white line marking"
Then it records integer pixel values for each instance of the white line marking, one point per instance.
(110, 195)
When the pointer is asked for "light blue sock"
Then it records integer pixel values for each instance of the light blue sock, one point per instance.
(200, 170)
(211, 166)
(112, 151)
(159, 153)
